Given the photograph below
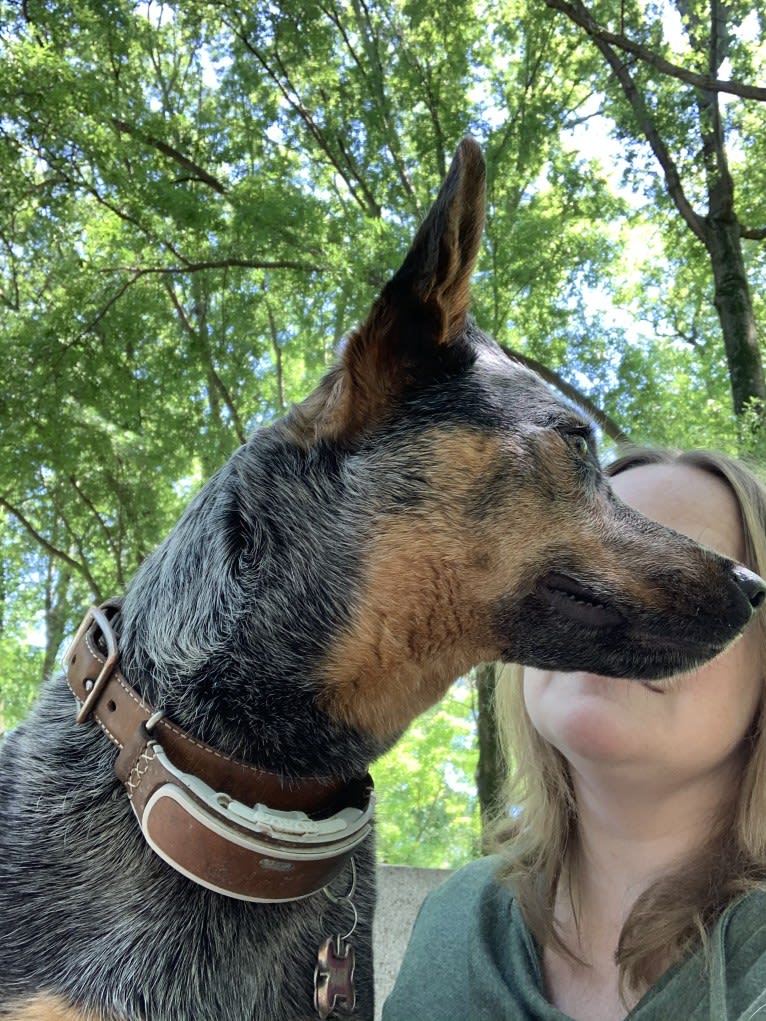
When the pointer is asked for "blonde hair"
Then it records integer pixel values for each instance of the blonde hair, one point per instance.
(537, 840)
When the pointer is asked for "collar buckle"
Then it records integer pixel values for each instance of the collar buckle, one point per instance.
(95, 615)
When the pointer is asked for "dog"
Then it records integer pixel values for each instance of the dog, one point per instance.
(186, 815)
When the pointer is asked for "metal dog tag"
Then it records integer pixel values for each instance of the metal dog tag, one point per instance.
(334, 978)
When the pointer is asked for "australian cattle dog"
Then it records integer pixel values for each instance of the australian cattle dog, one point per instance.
(186, 815)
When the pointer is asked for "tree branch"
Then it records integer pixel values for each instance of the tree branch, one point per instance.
(103, 526)
(278, 358)
(720, 186)
(358, 189)
(76, 178)
(137, 273)
(197, 172)
(194, 267)
(49, 548)
(753, 233)
(199, 340)
(605, 422)
(578, 13)
(377, 79)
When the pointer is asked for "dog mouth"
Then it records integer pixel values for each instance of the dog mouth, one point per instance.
(577, 602)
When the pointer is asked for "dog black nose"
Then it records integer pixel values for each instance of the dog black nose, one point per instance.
(752, 585)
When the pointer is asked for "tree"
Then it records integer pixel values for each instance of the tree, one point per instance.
(429, 806)
(679, 108)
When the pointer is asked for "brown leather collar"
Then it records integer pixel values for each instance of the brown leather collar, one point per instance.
(234, 828)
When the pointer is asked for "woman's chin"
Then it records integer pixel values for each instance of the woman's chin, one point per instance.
(601, 718)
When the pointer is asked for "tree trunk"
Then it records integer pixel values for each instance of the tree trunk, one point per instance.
(490, 773)
(56, 615)
(734, 306)
(722, 232)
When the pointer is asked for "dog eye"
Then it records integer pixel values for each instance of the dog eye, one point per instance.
(579, 444)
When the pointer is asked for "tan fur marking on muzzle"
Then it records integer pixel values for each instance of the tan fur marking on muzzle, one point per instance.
(49, 1008)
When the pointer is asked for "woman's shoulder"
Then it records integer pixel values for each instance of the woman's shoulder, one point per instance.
(747, 914)
(742, 930)
(469, 909)
(473, 877)
(456, 960)
(738, 958)
(468, 890)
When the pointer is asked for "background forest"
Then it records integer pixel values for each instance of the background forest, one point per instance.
(200, 198)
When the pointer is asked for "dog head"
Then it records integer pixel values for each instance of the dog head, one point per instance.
(431, 505)
(497, 536)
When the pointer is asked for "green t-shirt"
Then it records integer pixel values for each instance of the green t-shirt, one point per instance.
(472, 958)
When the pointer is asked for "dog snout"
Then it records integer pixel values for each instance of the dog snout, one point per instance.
(752, 586)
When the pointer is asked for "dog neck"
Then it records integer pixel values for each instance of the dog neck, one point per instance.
(242, 831)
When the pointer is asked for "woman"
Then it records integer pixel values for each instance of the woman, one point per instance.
(631, 877)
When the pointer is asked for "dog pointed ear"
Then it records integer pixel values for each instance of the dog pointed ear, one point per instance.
(417, 318)
(429, 295)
